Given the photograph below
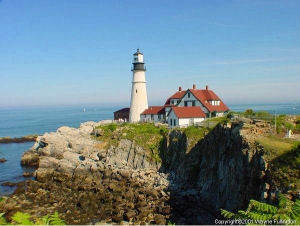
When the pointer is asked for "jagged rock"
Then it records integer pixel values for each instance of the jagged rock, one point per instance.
(27, 174)
(125, 173)
(2, 160)
(160, 219)
(129, 215)
(98, 132)
(30, 158)
(9, 184)
(122, 182)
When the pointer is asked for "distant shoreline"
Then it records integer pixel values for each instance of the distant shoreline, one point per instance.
(24, 139)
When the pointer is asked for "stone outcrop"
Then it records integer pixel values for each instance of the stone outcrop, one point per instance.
(8, 140)
(87, 183)
(224, 168)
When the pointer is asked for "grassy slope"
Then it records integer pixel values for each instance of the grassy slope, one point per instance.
(284, 158)
(275, 146)
(145, 135)
(194, 135)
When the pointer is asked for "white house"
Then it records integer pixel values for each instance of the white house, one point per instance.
(174, 99)
(185, 116)
(154, 114)
(206, 99)
(199, 99)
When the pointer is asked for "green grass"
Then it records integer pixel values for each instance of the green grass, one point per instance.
(285, 168)
(275, 146)
(145, 135)
(217, 119)
(194, 135)
(284, 158)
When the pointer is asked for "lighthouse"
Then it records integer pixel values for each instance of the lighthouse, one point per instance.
(139, 101)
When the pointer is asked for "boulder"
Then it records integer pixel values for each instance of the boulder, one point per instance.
(129, 215)
(30, 158)
(27, 174)
(98, 132)
(2, 160)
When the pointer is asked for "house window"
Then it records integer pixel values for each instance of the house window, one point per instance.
(172, 101)
(178, 101)
(193, 103)
(189, 95)
(185, 103)
(159, 117)
(174, 122)
(171, 121)
(152, 117)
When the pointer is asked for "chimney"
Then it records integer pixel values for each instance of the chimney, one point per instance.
(194, 86)
(206, 87)
(179, 89)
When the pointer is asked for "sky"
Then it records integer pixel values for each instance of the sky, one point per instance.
(71, 52)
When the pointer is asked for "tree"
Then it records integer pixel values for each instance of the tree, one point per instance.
(249, 112)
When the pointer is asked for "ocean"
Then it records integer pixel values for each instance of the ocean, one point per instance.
(17, 122)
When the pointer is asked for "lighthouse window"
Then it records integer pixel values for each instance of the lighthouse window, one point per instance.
(136, 91)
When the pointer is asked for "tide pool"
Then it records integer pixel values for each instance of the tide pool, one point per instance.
(11, 170)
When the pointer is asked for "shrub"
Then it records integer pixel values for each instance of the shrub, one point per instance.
(25, 219)
(2, 219)
(263, 213)
(249, 112)
(297, 127)
(264, 115)
(229, 115)
(289, 125)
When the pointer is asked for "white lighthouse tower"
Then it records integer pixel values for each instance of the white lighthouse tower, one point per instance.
(139, 101)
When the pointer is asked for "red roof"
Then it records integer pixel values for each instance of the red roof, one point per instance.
(177, 95)
(206, 95)
(188, 112)
(154, 110)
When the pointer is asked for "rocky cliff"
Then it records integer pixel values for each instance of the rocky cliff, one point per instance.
(89, 183)
(225, 168)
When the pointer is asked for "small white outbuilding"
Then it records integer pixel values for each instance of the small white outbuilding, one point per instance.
(185, 116)
(154, 114)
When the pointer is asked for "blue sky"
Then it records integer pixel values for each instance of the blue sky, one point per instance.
(58, 52)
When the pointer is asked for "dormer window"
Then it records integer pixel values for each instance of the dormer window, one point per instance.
(189, 95)
(214, 102)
